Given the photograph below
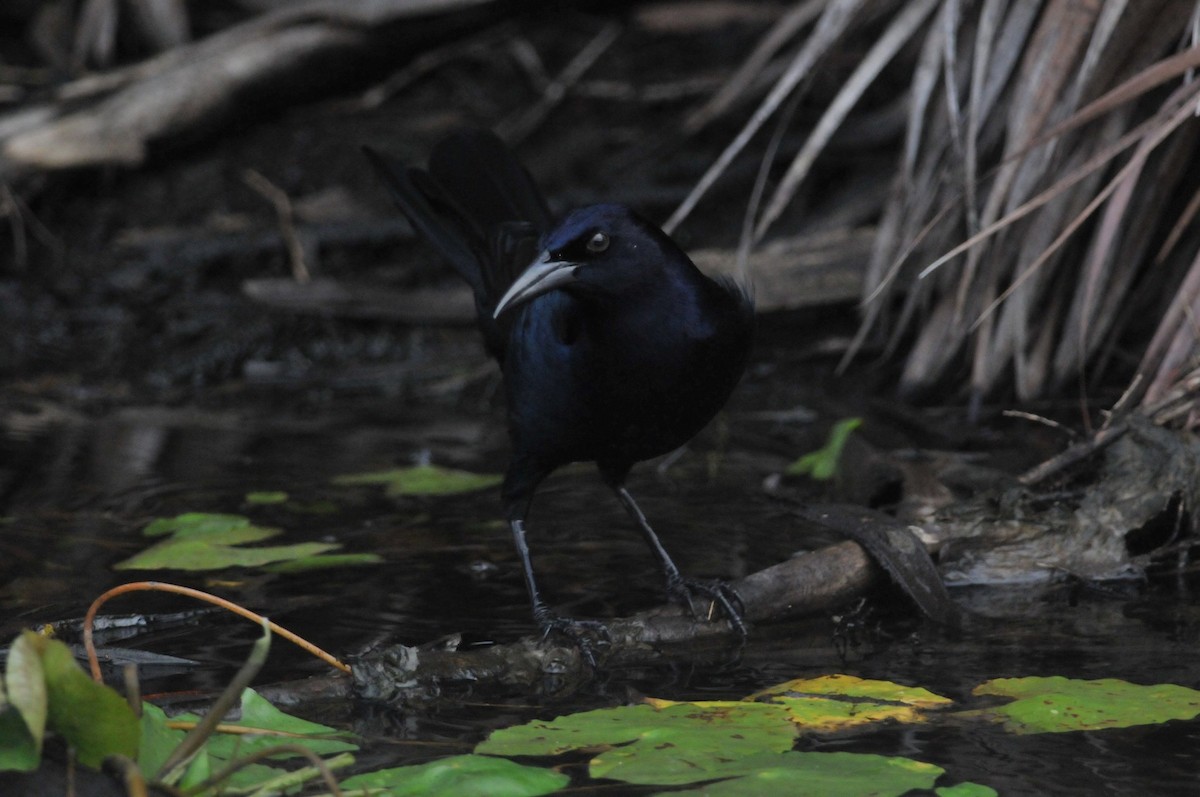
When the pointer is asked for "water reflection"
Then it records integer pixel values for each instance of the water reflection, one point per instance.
(78, 489)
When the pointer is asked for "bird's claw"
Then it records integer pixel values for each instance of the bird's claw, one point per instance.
(718, 593)
(589, 636)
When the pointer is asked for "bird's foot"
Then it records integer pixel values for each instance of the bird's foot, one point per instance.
(719, 595)
(589, 636)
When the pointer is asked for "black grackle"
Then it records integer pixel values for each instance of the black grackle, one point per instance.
(614, 347)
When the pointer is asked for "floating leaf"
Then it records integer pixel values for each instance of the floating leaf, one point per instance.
(199, 523)
(835, 702)
(822, 463)
(423, 480)
(855, 687)
(676, 744)
(257, 712)
(1056, 704)
(794, 774)
(461, 776)
(92, 718)
(267, 497)
(324, 561)
(204, 555)
(200, 541)
(223, 748)
(321, 506)
(966, 789)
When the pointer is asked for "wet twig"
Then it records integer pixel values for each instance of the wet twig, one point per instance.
(287, 222)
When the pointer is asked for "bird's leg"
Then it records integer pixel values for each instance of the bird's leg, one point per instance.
(679, 587)
(583, 633)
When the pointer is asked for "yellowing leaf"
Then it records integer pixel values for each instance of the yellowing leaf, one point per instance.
(836, 702)
(854, 687)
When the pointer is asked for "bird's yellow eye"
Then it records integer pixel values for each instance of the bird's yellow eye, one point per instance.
(598, 242)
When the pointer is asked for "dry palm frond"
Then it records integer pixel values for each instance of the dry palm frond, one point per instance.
(1043, 200)
(1070, 209)
(834, 21)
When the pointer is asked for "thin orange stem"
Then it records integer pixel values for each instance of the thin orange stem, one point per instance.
(160, 586)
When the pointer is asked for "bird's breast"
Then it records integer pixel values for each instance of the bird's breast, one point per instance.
(617, 389)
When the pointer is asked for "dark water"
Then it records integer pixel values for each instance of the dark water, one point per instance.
(78, 489)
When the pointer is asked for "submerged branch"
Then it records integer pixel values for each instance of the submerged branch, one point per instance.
(805, 585)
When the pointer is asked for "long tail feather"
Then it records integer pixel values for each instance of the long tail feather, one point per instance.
(432, 215)
(483, 177)
(478, 206)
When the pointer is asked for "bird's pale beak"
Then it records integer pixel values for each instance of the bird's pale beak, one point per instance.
(542, 276)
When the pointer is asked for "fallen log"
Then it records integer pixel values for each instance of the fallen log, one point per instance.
(115, 118)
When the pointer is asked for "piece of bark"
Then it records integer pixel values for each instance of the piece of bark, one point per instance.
(896, 548)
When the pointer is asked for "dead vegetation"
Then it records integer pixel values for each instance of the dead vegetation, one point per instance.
(1036, 236)
(1043, 200)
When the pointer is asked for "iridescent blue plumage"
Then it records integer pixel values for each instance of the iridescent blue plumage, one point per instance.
(614, 347)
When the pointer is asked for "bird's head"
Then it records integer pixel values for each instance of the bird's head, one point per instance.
(599, 250)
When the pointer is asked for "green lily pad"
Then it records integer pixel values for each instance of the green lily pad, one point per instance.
(1056, 704)
(461, 776)
(822, 463)
(794, 774)
(836, 702)
(677, 744)
(423, 480)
